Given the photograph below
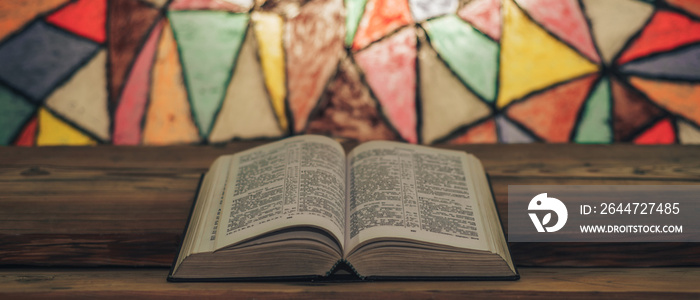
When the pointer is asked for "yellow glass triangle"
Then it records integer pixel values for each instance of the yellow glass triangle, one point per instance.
(268, 31)
(53, 131)
(532, 59)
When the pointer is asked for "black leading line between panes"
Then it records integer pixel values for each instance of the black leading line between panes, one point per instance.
(227, 82)
(375, 99)
(379, 40)
(661, 54)
(15, 135)
(430, 43)
(417, 99)
(200, 131)
(114, 105)
(553, 86)
(27, 24)
(624, 81)
(72, 71)
(556, 37)
(69, 123)
(461, 130)
(417, 85)
(532, 93)
(111, 108)
(58, 84)
(152, 5)
(669, 7)
(321, 99)
(653, 121)
(25, 99)
(61, 83)
(285, 131)
(164, 8)
(523, 128)
(418, 107)
(583, 110)
(147, 105)
(633, 38)
(419, 43)
(287, 109)
(636, 36)
(589, 25)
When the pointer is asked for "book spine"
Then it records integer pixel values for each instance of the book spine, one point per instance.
(344, 261)
(187, 226)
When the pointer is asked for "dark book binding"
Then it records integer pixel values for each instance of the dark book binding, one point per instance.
(346, 272)
(184, 233)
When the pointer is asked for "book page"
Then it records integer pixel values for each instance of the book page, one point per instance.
(414, 192)
(296, 181)
(211, 214)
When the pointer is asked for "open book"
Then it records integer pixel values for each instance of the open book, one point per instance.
(300, 208)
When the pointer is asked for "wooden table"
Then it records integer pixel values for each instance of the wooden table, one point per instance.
(105, 222)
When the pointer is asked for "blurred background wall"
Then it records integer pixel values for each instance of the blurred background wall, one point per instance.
(158, 72)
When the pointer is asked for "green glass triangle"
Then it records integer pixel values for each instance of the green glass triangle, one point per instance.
(594, 127)
(470, 54)
(208, 42)
(14, 112)
(354, 9)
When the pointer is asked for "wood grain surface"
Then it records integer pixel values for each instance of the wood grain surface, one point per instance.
(127, 206)
(536, 283)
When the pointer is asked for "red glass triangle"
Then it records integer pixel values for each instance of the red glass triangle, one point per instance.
(85, 18)
(484, 15)
(27, 136)
(661, 133)
(666, 31)
(389, 68)
(564, 19)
